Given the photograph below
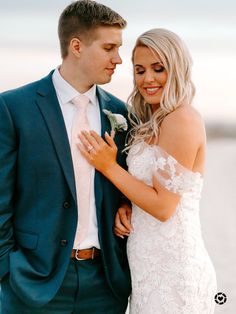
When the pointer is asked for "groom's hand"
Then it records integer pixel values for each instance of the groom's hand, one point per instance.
(123, 225)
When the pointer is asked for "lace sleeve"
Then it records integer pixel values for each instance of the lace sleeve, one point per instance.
(172, 175)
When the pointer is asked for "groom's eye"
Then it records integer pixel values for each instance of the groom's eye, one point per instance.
(108, 47)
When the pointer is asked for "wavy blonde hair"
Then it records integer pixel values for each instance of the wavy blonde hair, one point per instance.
(178, 88)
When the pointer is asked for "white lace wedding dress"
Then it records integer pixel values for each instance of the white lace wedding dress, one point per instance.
(170, 268)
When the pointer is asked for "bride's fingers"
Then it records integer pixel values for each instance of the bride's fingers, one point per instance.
(126, 223)
(85, 143)
(110, 140)
(119, 226)
(84, 152)
(121, 230)
(113, 133)
(89, 140)
(97, 137)
(120, 233)
(123, 218)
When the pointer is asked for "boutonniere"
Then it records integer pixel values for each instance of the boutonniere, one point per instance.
(118, 122)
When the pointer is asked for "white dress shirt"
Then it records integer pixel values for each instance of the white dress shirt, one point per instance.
(65, 93)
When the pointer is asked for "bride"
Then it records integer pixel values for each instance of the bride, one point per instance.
(170, 267)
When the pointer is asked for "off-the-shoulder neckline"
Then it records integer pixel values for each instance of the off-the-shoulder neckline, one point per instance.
(157, 146)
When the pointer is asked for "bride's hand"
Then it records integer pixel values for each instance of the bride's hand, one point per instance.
(99, 153)
(122, 226)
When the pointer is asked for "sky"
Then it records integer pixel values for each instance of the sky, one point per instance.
(29, 46)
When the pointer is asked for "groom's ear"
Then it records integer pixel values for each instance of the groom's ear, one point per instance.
(75, 46)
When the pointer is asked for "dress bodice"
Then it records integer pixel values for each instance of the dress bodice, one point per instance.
(148, 161)
(145, 161)
(167, 258)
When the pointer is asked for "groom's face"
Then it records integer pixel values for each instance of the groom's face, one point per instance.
(99, 58)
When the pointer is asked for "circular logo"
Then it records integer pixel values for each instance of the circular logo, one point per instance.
(220, 298)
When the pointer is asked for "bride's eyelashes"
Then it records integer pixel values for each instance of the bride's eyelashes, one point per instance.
(157, 70)
(140, 72)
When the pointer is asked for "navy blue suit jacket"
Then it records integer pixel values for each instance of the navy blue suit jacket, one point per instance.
(38, 211)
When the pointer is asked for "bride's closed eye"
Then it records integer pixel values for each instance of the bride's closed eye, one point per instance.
(159, 69)
(140, 72)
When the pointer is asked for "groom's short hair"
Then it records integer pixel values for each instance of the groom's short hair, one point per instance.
(81, 18)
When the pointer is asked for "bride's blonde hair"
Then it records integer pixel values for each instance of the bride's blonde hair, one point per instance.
(178, 89)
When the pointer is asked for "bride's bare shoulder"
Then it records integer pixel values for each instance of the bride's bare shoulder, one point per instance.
(184, 117)
(183, 127)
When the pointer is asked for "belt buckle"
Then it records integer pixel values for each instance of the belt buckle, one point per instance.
(93, 252)
(78, 259)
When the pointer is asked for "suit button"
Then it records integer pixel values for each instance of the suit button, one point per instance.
(66, 204)
(64, 242)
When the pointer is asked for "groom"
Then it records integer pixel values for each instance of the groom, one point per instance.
(57, 254)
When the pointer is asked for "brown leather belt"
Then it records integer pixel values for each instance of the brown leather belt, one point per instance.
(91, 253)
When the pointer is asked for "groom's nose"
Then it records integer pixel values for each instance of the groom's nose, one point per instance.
(116, 59)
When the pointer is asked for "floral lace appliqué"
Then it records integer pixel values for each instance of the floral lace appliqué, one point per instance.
(170, 267)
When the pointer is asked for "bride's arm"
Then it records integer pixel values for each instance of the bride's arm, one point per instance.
(182, 136)
(157, 201)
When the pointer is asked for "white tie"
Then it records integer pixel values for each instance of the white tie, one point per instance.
(82, 169)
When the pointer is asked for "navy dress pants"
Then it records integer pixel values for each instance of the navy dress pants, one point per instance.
(83, 291)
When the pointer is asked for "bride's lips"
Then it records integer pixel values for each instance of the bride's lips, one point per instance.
(152, 90)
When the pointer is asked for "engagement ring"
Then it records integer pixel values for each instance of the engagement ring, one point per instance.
(90, 148)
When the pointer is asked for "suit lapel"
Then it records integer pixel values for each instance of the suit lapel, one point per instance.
(50, 109)
(104, 103)
(49, 106)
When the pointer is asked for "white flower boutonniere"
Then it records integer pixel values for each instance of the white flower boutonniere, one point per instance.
(118, 122)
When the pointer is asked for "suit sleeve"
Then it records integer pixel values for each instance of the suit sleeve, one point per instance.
(8, 156)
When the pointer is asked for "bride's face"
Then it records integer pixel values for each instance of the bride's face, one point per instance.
(150, 75)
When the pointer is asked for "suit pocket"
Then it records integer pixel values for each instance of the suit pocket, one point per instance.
(26, 240)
